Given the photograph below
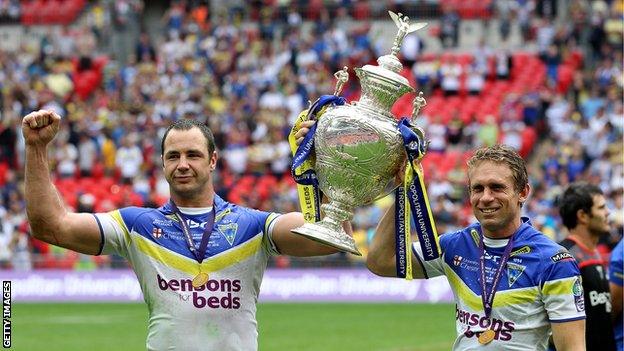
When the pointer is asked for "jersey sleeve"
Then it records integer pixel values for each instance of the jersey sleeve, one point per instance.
(616, 263)
(115, 227)
(561, 287)
(266, 221)
(435, 267)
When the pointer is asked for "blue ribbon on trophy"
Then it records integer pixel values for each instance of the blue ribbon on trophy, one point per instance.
(414, 193)
(302, 169)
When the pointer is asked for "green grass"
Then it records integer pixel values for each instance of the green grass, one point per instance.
(344, 327)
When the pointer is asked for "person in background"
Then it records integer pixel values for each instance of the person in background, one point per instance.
(583, 210)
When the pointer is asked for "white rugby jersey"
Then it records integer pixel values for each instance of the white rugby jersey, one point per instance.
(539, 285)
(220, 315)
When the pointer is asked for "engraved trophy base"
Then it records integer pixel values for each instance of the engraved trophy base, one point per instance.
(327, 235)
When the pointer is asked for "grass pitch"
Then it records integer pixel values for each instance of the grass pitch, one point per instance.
(310, 326)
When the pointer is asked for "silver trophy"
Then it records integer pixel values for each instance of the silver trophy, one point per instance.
(358, 147)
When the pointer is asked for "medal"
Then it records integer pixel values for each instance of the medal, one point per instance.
(200, 279)
(486, 337)
(487, 296)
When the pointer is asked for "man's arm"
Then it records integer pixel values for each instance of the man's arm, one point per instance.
(49, 219)
(292, 244)
(381, 258)
(569, 336)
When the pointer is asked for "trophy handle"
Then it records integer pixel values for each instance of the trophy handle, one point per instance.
(418, 103)
(342, 77)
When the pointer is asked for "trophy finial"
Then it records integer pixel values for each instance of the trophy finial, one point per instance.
(418, 103)
(402, 22)
(342, 77)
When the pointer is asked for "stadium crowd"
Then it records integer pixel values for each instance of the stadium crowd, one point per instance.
(248, 74)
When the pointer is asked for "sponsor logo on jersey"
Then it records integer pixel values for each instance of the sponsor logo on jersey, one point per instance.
(464, 263)
(157, 233)
(577, 291)
(514, 271)
(493, 258)
(577, 287)
(502, 328)
(600, 298)
(521, 251)
(215, 294)
(475, 236)
(163, 222)
(192, 224)
(562, 256)
(172, 217)
(228, 231)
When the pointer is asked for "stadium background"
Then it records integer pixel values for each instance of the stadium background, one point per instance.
(544, 76)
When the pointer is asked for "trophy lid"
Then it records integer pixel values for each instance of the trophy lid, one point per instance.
(389, 65)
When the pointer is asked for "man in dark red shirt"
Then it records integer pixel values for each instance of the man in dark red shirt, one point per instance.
(584, 212)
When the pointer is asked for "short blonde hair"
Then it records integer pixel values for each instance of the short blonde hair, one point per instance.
(503, 154)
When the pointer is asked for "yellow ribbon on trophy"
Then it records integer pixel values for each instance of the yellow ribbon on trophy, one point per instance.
(412, 202)
(302, 168)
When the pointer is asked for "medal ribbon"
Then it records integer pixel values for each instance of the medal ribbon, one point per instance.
(200, 252)
(488, 297)
(413, 192)
(302, 169)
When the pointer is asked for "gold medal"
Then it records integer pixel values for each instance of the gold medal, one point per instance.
(200, 279)
(487, 336)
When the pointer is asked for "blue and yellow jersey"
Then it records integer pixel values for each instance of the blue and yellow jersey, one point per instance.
(219, 315)
(616, 266)
(540, 285)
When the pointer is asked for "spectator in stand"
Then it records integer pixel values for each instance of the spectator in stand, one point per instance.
(584, 212)
(66, 157)
(436, 133)
(174, 17)
(552, 59)
(455, 132)
(487, 135)
(606, 74)
(87, 155)
(502, 60)
(8, 139)
(504, 12)
(126, 15)
(425, 72)
(6, 240)
(475, 80)
(449, 28)
(58, 80)
(10, 11)
(450, 73)
(129, 158)
(108, 152)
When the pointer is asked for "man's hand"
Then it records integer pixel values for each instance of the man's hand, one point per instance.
(40, 127)
(303, 130)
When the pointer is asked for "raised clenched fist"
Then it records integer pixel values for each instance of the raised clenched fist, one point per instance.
(40, 127)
